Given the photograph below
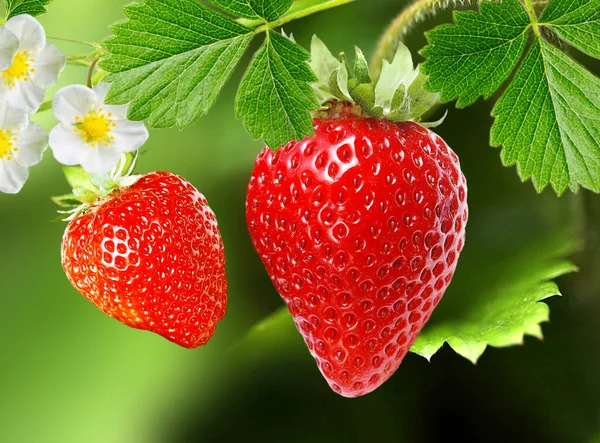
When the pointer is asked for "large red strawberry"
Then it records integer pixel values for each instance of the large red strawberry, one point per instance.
(360, 228)
(151, 256)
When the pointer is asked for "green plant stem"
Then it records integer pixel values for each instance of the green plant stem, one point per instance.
(415, 12)
(388, 42)
(296, 14)
(78, 60)
(68, 40)
(532, 17)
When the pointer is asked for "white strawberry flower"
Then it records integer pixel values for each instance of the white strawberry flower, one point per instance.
(91, 133)
(28, 65)
(22, 144)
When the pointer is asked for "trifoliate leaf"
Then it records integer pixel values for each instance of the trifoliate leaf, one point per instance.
(275, 96)
(171, 59)
(476, 55)
(31, 7)
(506, 306)
(548, 121)
(255, 9)
(576, 21)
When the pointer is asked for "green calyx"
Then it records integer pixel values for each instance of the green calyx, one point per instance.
(92, 189)
(399, 94)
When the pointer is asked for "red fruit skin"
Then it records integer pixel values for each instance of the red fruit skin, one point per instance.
(360, 228)
(152, 257)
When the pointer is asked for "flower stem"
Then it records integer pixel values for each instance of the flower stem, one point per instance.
(402, 24)
(91, 72)
(68, 40)
(299, 13)
(78, 60)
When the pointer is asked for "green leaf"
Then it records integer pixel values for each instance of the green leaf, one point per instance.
(576, 21)
(171, 59)
(275, 96)
(268, 10)
(506, 306)
(476, 55)
(31, 7)
(548, 121)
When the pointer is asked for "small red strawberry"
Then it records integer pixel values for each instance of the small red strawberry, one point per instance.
(151, 256)
(360, 228)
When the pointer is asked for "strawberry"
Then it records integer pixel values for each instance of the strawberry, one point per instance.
(360, 228)
(151, 256)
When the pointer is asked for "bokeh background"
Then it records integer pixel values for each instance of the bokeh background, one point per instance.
(71, 374)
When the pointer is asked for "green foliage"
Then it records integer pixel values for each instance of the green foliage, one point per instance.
(505, 306)
(576, 21)
(268, 10)
(31, 7)
(548, 120)
(475, 56)
(171, 59)
(275, 94)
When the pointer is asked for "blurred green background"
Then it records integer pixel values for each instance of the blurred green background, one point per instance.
(72, 374)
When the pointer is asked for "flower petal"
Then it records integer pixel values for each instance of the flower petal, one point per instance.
(101, 159)
(129, 135)
(12, 176)
(101, 90)
(119, 112)
(67, 146)
(31, 144)
(30, 33)
(73, 101)
(48, 65)
(24, 96)
(12, 119)
(9, 45)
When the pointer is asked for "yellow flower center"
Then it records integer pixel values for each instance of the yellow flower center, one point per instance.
(20, 69)
(7, 145)
(95, 127)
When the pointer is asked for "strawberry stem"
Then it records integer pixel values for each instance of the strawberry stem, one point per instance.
(402, 24)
